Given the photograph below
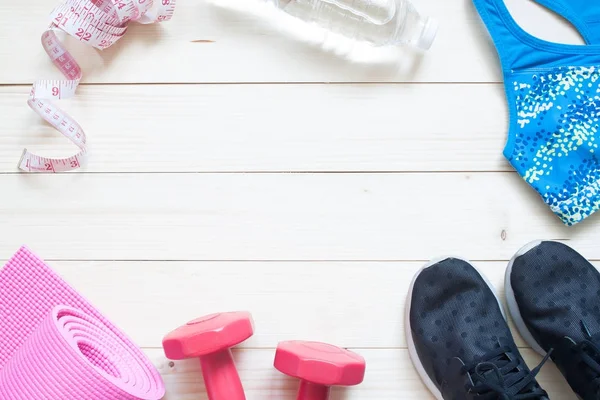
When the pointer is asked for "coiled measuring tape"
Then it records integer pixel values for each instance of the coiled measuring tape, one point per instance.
(100, 24)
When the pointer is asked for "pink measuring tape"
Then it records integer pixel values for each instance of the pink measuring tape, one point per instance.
(99, 23)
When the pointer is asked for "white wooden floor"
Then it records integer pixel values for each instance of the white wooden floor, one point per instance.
(235, 167)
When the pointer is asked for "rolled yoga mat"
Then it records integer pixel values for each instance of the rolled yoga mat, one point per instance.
(54, 345)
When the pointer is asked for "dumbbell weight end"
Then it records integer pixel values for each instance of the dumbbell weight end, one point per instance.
(221, 377)
(311, 391)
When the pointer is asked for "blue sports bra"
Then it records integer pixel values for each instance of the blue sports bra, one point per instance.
(553, 93)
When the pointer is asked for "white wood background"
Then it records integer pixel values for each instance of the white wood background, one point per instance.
(237, 167)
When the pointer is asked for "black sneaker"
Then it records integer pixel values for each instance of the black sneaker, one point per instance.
(458, 338)
(553, 294)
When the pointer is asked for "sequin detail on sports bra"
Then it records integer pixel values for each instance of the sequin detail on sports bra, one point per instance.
(562, 107)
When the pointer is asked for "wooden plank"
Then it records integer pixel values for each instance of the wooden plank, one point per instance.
(390, 376)
(208, 128)
(360, 304)
(485, 216)
(222, 44)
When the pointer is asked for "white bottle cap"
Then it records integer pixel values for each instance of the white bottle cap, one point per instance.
(429, 32)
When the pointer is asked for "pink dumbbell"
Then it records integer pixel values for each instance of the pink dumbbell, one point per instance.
(319, 366)
(210, 339)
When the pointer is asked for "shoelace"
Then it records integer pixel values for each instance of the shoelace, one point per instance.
(588, 351)
(504, 378)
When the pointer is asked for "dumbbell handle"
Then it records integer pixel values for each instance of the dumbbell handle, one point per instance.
(221, 377)
(311, 391)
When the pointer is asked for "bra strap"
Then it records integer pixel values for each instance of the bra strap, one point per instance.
(513, 51)
(584, 15)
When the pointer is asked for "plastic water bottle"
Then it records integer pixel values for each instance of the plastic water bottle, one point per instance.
(379, 22)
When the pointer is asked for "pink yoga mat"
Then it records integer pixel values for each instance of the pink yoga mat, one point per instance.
(54, 345)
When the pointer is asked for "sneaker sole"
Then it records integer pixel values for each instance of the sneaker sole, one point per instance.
(412, 350)
(513, 307)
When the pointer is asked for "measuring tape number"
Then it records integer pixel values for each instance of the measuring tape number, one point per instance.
(99, 23)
